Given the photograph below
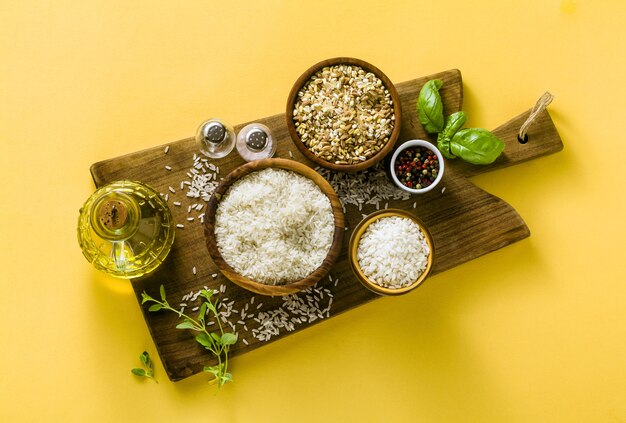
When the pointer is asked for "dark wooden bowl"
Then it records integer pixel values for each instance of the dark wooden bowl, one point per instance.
(295, 137)
(257, 287)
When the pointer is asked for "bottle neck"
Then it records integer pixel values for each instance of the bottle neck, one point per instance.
(115, 216)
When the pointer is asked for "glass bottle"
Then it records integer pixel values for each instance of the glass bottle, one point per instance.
(215, 138)
(255, 141)
(125, 229)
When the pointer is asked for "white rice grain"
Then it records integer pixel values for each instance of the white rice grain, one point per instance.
(393, 252)
(266, 234)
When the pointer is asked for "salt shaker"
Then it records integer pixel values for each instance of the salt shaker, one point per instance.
(255, 141)
(215, 138)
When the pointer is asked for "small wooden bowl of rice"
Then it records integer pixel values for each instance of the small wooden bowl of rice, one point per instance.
(391, 252)
(274, 226)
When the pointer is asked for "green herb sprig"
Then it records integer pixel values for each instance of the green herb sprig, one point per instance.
(148, 370)
(218, 342)
(474, 145)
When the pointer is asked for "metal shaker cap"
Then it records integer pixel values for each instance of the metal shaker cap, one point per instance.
(256, 139)
(214, 132)
(215, 138)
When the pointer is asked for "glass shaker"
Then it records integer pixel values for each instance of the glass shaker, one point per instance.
(215, 138)
(255, 141)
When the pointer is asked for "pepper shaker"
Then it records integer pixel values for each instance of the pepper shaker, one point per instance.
(255, 141)
(215, 138)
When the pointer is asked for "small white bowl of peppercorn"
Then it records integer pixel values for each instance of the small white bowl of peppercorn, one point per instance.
(417, 166)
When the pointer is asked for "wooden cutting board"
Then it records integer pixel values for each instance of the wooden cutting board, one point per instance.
(465, 221)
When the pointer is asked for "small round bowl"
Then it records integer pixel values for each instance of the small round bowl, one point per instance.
(397, 113)
(249, 284)
(354, 246)
(416, 143)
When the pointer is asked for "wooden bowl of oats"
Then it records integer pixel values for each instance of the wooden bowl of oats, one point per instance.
(344, 114)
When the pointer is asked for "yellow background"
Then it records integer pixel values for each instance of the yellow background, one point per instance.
(535, 332)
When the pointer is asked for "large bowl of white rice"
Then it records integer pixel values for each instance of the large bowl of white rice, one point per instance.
(391, 252)
(274, 226)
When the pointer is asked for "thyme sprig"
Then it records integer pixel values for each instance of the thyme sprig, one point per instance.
(148, 370)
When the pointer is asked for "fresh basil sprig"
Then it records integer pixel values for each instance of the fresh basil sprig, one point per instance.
(474, 145)
(218, 343)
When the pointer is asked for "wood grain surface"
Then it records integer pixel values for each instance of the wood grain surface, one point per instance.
(465, 222)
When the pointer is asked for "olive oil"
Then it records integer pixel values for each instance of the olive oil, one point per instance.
(125, 229)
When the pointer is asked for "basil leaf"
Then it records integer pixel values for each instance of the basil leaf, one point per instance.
(204, 340)
(155, 307)
(214, 370)
(227, 377)
(202, 312)
(454, 122)
(430, 107)
(443, 144)
(206, 294)
(229, 338)
(211, 307)
(476, 146)
(145, 358)
(138, 372)
(185, 325)
(162, 292)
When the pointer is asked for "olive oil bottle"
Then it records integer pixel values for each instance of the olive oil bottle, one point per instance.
(125, 229)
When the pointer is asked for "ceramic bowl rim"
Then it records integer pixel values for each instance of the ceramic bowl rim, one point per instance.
(418, 143)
